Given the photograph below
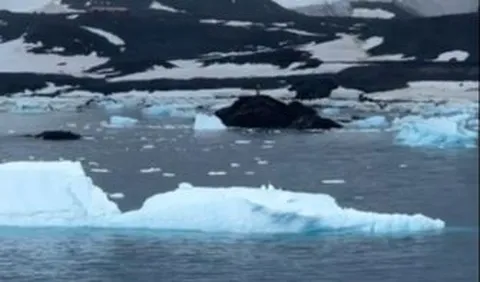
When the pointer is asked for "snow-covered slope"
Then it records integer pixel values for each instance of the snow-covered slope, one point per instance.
(272, 48)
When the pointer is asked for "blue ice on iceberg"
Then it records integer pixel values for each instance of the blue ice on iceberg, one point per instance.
(204, 122)
(373, 122)
(457, 131)
(59, 194)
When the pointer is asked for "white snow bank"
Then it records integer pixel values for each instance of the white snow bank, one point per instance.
(15, 57)
(23, 6)
(59, 194)
(208, 122)
(120, 122)
(53, 194)
(372, 13)
(457, 131)
(112, 38)
(155, 5)
(457, 55)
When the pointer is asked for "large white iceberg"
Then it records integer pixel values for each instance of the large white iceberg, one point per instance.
(53, 194)
(208, 122)
(60, 194)
(457, 131)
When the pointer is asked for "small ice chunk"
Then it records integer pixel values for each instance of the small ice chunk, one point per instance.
(234, 165)
(150, 170)
(100, 170)
(148, 147)
(168, 174)
(243, 142)
(249, 172)
(262, 162)
(116, 196)
(217, 173)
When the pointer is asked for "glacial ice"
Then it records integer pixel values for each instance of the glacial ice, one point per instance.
(168, 111)
(370, 122)
(457, 131)
(208, 122)
(59, 194)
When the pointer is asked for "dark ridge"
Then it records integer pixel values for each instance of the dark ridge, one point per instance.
(426, 38)
(377, 77)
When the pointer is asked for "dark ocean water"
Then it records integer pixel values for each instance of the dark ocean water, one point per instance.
(379, 176)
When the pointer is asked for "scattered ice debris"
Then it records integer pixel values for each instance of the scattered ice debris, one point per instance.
(269, 141)
(262, 162)
(116, 196)
(112, 105)
(217, 173)
(333, 181)
(93, 164)
(249, 172)
(120, 122)
(148, 147)
(267, 147)
(150, 170)
(205, 122)
(403, 166)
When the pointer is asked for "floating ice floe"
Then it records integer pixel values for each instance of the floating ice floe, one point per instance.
(204, 122)
(59, 194)
(120, 122)
(458, 131)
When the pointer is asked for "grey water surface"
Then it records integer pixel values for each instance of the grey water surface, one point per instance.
(378, 176)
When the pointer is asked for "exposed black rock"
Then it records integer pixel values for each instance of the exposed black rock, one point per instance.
(314, 88)
(262, 111)
(56, 135)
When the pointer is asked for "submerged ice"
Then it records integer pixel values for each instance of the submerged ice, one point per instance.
(60, 194)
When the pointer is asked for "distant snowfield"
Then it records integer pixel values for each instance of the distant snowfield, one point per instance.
(14, 58)
(372, 13)
(23, 6)
(159, 6)
(35, 6)
(112, 38)
(457, 55)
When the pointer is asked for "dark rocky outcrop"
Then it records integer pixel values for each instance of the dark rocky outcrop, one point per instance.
(262, 111)
(56, 135)
(314, 88)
